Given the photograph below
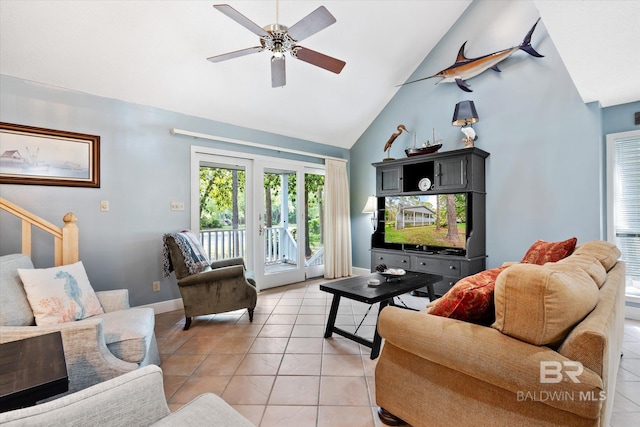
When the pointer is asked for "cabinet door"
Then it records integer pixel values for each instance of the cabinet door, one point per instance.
(388, 180)
(451, 174)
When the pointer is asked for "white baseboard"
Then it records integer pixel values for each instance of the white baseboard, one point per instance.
(357, 271)
(166, 306)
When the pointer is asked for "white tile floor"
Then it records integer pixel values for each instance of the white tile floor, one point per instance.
(279, 370)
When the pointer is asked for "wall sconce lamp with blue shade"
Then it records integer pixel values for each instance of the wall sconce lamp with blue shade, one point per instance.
(371, 207)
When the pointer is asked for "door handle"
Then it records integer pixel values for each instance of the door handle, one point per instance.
(260, 230)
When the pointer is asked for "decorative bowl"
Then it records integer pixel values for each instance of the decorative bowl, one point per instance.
(393, 273)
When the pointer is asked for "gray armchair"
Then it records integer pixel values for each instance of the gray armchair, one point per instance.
(96, 348)
(221, 286)
(133, 399)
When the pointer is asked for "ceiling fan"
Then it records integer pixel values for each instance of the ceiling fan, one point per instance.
(280, 39)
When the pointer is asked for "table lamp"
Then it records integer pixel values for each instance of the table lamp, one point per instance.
(464, 115)
(371, 207)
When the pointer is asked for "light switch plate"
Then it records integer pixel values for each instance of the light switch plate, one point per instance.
(177, 206)
(104, 206)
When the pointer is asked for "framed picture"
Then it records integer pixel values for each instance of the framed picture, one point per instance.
(31, 155)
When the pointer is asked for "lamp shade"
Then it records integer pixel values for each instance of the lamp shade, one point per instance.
(371, 206)
(464, 114)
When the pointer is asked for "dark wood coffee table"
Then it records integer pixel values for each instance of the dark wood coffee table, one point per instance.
(358, 289)
(31, 369)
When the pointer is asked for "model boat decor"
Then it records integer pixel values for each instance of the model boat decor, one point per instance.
(425, 148)
(465, 68)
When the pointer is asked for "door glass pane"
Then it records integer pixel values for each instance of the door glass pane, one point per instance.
(314, 224)
(280, 221)
(222, 211)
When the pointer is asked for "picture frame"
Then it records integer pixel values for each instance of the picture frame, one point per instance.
(39, 156)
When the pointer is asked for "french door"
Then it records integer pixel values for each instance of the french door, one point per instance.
(265, 210)
(280, 218)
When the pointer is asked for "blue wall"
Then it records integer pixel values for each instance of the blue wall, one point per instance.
(620, 118)
(143, 169)
(546, 144)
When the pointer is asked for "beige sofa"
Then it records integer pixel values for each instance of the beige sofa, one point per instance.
(96, 348)
(549, 359)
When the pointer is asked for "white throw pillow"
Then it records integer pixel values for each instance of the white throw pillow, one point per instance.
(60, 294)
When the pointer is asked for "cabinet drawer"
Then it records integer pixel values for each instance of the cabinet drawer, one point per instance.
(449, 268)
(390, 260)
(442, 287)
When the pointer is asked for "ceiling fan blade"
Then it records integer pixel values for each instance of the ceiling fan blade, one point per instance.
(319, 60)
(241, 19)
(311, 24)
(278, 74)
(235, 54)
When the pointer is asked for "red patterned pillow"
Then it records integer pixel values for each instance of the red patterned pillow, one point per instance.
(471, 299)
(542, 252)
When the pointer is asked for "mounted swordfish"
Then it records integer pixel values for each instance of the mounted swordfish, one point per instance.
(464, 68)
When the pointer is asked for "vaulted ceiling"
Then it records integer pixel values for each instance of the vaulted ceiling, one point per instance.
(154, 53)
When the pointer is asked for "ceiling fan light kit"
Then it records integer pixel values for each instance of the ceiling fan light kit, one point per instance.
(280, 39)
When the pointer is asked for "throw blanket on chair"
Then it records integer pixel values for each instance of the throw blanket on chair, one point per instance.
(195, 257)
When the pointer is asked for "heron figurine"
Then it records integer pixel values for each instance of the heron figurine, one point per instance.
(393, 137)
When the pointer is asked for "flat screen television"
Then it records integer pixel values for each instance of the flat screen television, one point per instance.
(430, 223)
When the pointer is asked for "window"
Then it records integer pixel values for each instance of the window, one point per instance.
(623, 204)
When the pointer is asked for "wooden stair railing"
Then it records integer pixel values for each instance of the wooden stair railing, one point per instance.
(65, 238)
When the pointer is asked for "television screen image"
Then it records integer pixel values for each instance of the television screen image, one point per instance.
(436, 221)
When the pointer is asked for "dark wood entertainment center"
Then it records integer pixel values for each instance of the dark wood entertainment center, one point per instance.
(449, 172)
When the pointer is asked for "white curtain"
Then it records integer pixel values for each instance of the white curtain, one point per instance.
(337, 244)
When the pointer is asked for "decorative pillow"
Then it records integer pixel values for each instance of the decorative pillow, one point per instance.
(471, 299)
(606, 253)
(60, 294)
(540, 304)
(542, 252)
